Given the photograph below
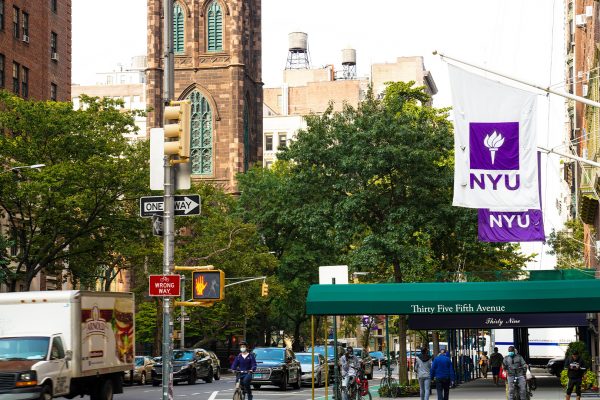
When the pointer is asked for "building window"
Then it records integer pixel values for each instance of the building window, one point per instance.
(16, 69)
(53, 45)
(246, 137)
(282, 140)
(1, 14)
(16, 26)
(201, 148)
(269, 142)
(178, 28)
(25, 82)
(109, 80)
(53, 5)
(214, 27)
(2, 82)
(25, 26)
(53, 91)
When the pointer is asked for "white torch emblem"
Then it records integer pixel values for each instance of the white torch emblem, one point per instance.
(493, 142)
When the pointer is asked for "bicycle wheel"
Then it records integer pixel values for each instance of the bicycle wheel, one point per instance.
(366, 396)
(237, 394)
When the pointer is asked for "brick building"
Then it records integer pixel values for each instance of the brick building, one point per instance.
(217, 46)
(35, 48)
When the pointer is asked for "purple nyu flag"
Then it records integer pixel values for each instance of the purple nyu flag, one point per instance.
(512, 226)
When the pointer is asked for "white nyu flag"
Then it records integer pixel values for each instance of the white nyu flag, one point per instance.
(494, 144)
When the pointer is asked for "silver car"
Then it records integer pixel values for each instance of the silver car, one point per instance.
(142, 371)
(305, 365)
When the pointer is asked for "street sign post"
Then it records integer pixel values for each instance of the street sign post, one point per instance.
(185, 205)
(165, 285)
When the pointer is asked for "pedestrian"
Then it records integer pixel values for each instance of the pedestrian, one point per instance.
(442, 371)
(516, 369)
(496, 362)
(423, 371)
(575, 370)
(245, 363)
(483, 364)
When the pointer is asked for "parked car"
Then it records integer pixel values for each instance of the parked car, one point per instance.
(142, 371)
(555, 366)
(330, 357)
(189, 365)
(380, 356)
(305, 360)
(216, 365)
(276, 366)
(365, 360)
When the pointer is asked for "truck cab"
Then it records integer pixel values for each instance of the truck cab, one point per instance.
(32, 365)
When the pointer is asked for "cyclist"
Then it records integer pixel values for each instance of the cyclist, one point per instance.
(516, 369)
(245, 363)
(350, 367)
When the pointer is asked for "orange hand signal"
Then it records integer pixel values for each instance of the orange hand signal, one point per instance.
(201, 284)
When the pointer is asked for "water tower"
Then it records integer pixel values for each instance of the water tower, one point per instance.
(298, 57)
(348, 63)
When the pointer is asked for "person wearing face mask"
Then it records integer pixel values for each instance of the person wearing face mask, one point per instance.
(350, 367)
(516, 368)
(245, 362)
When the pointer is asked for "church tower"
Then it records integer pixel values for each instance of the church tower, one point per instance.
(217, 45)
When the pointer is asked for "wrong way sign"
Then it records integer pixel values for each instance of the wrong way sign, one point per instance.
(165, 285)
(185, 205)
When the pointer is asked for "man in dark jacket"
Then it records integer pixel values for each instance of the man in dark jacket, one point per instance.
(575, 370)
(516, 369)
(442, 371)
(245, 362)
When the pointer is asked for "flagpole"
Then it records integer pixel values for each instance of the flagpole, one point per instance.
(572, 157)
(547, 90)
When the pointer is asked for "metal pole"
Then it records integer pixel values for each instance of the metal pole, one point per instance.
(336, 371)
(326, 329)
(387, 344)
(182, 315)
(169, 204)
(312, 356)
(544, 89)
(571, 156)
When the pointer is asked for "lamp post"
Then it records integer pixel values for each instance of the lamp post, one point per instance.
(20, 167)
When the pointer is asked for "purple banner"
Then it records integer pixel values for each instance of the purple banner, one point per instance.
(496, 321)
(513, 226)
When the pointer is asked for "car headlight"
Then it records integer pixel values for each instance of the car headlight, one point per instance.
(28, 378)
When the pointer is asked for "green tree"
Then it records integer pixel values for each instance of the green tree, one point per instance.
(69, 208)
(567, 245)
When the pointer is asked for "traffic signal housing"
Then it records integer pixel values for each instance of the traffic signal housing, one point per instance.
(177, 126)
(264, 289)
(208, 285)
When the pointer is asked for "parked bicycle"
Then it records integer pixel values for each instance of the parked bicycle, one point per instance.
(387, 379)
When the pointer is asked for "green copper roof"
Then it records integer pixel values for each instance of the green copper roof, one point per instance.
(545, 296)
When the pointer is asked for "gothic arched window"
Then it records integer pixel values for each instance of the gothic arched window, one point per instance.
(214, 27)
(201, 147)
(178, 28)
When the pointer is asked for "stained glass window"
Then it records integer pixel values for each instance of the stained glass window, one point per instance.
(201, 149)
(178, 29)
(214, 25)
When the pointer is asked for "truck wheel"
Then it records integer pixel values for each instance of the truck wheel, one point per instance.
(104, 391)
(46, 393)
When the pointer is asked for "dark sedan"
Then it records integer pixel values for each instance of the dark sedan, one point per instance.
(276, 366)
(556, 366)
(188, 366)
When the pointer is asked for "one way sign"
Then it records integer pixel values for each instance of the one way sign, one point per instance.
(186, 205)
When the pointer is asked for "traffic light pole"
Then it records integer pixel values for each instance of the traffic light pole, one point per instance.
(169, 206)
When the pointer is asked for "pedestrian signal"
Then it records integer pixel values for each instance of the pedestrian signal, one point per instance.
(208, 285)
(264, 290)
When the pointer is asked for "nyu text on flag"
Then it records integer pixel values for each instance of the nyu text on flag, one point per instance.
(494, 144)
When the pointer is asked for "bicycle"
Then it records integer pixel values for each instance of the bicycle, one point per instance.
(387, 379)
(240, 392)
(516, 391)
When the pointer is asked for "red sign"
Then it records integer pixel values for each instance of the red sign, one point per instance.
(165, 285)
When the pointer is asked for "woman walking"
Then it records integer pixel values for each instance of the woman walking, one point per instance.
(423, 370)
(483, 363)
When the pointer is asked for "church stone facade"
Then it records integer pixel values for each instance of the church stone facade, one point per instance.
(217, 47)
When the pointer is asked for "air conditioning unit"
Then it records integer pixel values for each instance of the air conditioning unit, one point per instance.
(584, 89)
(580, 20)
(589, 11)
(54, 57)
(26, 38)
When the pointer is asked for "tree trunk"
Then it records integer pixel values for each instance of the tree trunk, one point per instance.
(296, 345)
(157, 348)
(436, 342)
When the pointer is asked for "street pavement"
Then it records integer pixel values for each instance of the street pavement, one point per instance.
(480, 389)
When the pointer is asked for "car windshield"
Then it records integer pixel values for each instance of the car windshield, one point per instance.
(183, 355)
(377, 354)
(24, 348)
(321, 350)
(269, 354)
(139, 361)
(305, 358)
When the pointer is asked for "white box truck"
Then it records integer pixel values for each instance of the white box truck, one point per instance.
(65, 343)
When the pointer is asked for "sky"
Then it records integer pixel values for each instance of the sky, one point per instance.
(520, 38)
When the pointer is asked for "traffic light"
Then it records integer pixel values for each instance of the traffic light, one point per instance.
(208, 285)
(264, 289)
(177, 125)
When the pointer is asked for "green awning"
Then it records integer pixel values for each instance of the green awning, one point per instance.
(455, 298)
